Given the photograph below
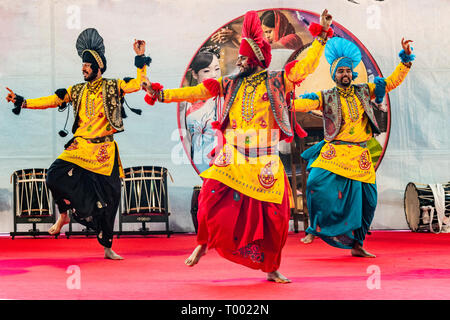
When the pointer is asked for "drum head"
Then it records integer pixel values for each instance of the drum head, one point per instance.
(30, 174)
(145, 171)
(412, 206)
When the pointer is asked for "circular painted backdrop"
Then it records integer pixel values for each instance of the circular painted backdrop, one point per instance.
(287, 31)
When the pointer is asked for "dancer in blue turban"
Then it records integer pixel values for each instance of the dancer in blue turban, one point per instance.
(341, 188)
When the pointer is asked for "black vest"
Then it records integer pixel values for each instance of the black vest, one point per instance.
(111, 102)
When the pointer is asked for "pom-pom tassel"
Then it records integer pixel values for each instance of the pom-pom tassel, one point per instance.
(151, 98)
(18, 104)
(300, 131)
(16, 110)
(380, 89)
(213, 86)
(406, 57)
(316, 29)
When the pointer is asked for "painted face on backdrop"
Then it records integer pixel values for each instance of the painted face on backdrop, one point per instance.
(268, 33)
(210, 72)
(343, 76)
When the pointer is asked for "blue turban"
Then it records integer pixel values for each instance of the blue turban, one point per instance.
(340, 52)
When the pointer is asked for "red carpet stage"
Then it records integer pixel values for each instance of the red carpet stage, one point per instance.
(408, 266)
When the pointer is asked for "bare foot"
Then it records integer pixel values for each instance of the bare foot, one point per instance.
(308, 239)
(358, 251)
(62, 220)
(277, 277)
(195, 256)
(109, 254)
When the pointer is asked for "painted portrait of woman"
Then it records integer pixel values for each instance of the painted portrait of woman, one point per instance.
(197, 117)
(279, 31)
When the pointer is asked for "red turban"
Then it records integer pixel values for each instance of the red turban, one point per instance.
(253, 44)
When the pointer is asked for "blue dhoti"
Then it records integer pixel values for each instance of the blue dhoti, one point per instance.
(341, 209)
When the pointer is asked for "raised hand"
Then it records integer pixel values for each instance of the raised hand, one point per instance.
(139, 47)
(11, 97)
(406, 46)
(223, 35)
(326, 19)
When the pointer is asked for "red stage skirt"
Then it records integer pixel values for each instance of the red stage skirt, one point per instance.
(242, 229)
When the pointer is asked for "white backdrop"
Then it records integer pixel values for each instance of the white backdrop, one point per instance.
(38, 56)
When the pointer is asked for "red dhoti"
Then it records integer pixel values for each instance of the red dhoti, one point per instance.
(242, 229)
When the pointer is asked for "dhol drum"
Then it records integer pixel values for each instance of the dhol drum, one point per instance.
(194, 206)
(144, 198)
(145, 190)
(31, 195)
(32, 201)
(420, 208)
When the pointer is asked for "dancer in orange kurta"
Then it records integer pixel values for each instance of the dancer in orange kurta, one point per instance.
(244, 203)
(86, 176)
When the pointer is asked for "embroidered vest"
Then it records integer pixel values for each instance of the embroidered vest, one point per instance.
(276, 93)
(111, 102)
(332, 110)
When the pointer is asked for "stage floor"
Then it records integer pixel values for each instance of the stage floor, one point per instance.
(408, 266)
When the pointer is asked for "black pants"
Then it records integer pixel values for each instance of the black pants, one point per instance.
(94, 198)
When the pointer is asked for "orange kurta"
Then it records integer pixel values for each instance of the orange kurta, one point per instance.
(251, 126)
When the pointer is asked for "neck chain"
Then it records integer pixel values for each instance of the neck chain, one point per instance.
(250, 85)
(94, 85)
(349, 95)
(92, 90)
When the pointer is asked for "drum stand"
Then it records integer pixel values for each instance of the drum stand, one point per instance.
(85, 232)
(143, 219)
(32, 232)
(144, 200)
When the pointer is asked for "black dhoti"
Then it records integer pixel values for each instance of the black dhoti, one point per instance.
(94, 198)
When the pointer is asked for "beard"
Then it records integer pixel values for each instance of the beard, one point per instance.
(89, 76)
(345, 84)
(247, 71)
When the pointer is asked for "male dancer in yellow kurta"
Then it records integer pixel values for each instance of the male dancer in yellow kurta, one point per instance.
(244, 203)
(341, 187)
(86, 176)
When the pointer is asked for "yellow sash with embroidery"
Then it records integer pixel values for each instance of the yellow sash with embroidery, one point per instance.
(259, 177)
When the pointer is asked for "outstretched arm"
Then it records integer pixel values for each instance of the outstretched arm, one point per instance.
(189, 94)
(383, 86)
(141, 62)
(297, 70)
(53, 101)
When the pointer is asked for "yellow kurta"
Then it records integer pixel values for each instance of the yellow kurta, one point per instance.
(95, 157)
(251, 127)
(350, 161)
